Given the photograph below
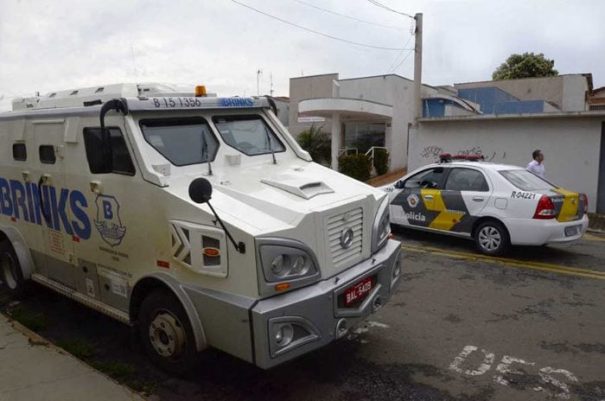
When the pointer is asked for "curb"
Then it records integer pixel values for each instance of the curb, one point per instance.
(36, 339)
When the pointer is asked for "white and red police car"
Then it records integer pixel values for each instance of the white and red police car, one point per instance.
(496, 205)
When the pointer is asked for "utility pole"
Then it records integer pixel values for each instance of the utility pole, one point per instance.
(418, 68)
(259, 72)
(271, 80)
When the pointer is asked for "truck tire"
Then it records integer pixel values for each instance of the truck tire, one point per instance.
(11, 276)
(491, 238)
(166, 333)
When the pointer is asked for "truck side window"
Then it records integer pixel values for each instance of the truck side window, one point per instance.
(99, 161)
(47, 154)
(19, 152)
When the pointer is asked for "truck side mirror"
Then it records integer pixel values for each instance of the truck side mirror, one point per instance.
(200, 190)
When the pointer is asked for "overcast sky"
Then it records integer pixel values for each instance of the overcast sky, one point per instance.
(60, 44)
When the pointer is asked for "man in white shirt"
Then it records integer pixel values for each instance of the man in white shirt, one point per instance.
(536, 166)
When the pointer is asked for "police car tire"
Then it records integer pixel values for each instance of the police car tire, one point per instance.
(14, 284)
(501, 231)
(164, 302)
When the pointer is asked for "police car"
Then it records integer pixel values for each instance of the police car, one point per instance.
(496, 205)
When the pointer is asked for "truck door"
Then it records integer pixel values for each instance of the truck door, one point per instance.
(102, 168)
(465, 194)
(53, 198)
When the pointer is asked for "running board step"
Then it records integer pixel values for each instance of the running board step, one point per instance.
(83, 299)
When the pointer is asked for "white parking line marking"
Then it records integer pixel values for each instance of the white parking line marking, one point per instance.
(483, 367)
(547, 374)
(504, 368)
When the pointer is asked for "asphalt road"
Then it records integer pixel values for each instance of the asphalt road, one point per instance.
(530, 326)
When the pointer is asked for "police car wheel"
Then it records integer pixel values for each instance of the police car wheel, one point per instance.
(166, 333)
(11, 277)
(491, 238)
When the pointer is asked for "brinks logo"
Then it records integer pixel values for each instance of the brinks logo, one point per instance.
(46, 205)
(108, 220)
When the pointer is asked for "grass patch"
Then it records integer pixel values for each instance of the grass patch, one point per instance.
(116, 370)
(78, 348)
(32, 320)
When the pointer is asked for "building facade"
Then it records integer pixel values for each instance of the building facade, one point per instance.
(359, 113)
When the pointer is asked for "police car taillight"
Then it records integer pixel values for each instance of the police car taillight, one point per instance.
(545, 209)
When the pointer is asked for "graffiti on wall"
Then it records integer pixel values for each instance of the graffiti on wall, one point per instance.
(432, 153)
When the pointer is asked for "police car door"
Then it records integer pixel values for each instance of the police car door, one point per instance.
(465, 194)
(417, 203)
(54, 218)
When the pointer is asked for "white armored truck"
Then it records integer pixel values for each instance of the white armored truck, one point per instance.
(197, 219)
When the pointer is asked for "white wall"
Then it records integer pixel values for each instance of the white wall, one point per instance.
(571, 146)
(574, 93)
(392, 90)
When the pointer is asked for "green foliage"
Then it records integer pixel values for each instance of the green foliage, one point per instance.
(317, 143)
(116, 370)
(381, 161)
(356, 166)
(78, 348)
(526, 65)
(32, 320)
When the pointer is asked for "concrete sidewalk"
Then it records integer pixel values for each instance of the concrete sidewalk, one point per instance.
(32, 369)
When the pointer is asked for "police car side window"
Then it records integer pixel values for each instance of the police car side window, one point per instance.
(431, 179)
(466, 179)
(119, 161)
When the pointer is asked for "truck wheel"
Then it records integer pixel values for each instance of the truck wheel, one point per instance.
(491, 238)
(166, 333)
(11, 276)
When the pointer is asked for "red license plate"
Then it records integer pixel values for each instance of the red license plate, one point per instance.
(358, 292)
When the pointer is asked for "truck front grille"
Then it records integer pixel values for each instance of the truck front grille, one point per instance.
(337, 225)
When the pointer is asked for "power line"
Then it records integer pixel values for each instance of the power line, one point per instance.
(402, 61)
(316, 32)
(391, 69)
(377, 4)
(347, 16)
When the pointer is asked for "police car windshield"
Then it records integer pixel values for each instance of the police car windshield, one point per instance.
(249, 134)
(183, 141)
(525, 180)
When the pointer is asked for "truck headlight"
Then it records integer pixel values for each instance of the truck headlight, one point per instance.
(286, 264)
(282, 263)
(382, 226)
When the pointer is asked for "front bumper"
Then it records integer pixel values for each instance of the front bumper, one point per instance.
(540, 232)
(313, 312)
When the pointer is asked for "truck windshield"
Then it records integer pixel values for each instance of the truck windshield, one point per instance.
(525, 180)
(183, 141)
(249, 134)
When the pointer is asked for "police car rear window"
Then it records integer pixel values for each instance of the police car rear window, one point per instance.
(183, 141)
(525, 180)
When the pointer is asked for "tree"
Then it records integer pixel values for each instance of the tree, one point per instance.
(526, 65)
(317, 143)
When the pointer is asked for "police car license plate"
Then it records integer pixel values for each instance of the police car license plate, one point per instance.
(358, 292)
(572, 230)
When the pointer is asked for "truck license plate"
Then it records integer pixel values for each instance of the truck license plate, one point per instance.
(358, 292)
